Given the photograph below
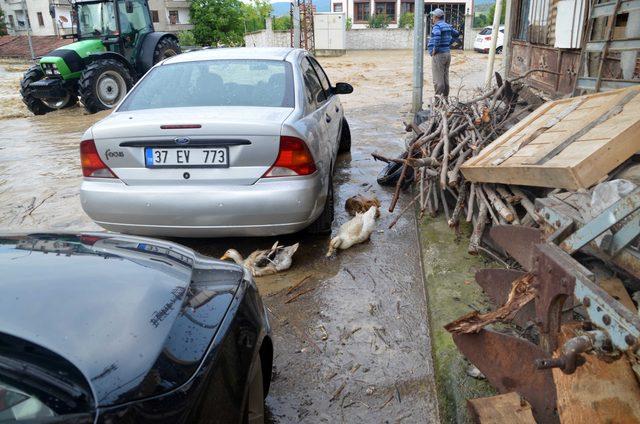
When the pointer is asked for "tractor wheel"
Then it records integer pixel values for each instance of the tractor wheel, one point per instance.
(69, 100)
(103, 84)
(35, 105)
(167, 47)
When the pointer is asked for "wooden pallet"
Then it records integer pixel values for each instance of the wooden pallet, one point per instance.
(570, 143)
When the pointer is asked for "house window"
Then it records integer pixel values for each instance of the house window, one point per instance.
(362, 12)
(12, 24)
(337, 7)
(154, 16)
(406, 7)
(388, 9)
(40, 19)
(173, 17)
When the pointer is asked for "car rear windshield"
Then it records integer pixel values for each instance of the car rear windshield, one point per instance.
(267, 83)
(485, 31)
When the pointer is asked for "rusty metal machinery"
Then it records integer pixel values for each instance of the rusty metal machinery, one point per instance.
(513, 363)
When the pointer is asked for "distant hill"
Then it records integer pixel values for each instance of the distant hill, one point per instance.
(281, 8)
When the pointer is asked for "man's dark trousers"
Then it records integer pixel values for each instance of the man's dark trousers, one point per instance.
(440, 71)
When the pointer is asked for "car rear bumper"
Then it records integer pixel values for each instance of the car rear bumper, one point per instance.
(268, 207)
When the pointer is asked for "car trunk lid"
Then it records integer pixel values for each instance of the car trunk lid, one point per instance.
(248, 136)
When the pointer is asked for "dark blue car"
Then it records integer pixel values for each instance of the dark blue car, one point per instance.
(116, 329)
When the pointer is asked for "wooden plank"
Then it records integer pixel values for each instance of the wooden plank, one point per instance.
(500, 409)
(626, 98)
(598, 391)
(586, 152)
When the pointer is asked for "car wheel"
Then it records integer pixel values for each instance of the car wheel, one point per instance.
(345, 137)
(254, 409)
(322, 225)
(499, 50)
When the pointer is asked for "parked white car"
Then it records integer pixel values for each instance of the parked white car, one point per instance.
(483, 40)
(219, 142)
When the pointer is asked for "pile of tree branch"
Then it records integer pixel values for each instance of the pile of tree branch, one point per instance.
(453, 132)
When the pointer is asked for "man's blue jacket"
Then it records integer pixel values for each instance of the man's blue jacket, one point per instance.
(441, 35)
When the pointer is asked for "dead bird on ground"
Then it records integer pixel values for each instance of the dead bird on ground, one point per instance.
(361, 204)
(265, 262)
(355, 231)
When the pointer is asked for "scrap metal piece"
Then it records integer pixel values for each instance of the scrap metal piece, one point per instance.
(571, 350)
(623, 237)
(508, 362)
(497, 282)
(601, 223)
(518, 242)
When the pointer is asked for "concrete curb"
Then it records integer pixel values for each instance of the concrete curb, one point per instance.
(448, 272)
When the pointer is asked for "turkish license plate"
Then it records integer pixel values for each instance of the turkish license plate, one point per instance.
(191, 157)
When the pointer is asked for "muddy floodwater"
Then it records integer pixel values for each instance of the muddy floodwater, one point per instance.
(352, 340)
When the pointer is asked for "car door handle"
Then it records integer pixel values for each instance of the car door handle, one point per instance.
(327, 118)
(337, 109)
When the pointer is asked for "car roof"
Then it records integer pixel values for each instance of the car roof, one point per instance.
(491, 27)
(259, 53)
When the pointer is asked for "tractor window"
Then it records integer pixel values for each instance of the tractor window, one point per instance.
(97, 19)
(136, 22)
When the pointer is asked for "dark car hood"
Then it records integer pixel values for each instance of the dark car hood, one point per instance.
(134, 315)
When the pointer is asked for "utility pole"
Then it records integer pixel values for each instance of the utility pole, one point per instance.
(506, 49)
(494, 42)
(26, 14)
(418, 55)
(295, 16)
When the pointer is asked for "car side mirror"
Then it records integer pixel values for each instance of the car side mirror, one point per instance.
(128, 4)
(342, 88)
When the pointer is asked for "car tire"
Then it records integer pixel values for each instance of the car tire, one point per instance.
(322, 225)
(96, 93)
(254, 405)
(499, 50)
(167, 47)
(345, 137)
(35, 105)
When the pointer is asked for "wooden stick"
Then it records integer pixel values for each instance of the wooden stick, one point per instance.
(455, 216)
(498, 204)
(478, 229)
(445, 155)
(472, 198)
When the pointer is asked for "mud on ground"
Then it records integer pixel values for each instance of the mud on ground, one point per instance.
(354, 346)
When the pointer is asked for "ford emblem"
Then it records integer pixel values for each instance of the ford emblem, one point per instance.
(182, 140)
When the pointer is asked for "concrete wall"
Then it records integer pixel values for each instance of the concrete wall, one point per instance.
(268, 38)
(379, 39)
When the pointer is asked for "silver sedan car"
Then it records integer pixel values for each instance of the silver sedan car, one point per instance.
(219, 142)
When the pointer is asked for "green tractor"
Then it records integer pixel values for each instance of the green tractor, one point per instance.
(116, 44)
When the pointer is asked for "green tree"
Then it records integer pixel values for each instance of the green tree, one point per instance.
(3, 24)
(187, 39)
(492, 11)
(379, 20)
(217, 22)
(480, 21)
(282, 23)
(255, 14)
(406, 20)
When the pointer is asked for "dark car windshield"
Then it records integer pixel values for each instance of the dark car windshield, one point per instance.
(36, 383)
(267, 83)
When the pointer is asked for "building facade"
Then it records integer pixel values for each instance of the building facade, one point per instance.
(359, 11)
(53, 17)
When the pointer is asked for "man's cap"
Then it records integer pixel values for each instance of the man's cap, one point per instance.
(437, 12)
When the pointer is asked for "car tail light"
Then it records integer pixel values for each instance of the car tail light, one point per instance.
(488, 38)
(92, 165)
(89, 240)
(294, 158)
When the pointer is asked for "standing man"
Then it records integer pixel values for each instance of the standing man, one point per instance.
(439, 49)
